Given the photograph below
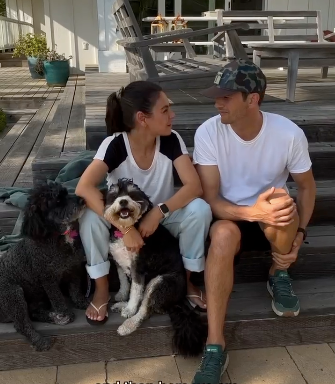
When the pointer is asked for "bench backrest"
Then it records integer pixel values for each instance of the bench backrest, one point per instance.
(129, 28)
(271, 28)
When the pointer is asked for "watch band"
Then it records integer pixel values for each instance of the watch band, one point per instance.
(303, 231)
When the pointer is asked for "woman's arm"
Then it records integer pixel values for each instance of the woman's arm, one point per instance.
(191, 188)
(87, 186)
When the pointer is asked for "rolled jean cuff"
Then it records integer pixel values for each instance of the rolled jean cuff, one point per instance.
(194, 265)
(98, 270)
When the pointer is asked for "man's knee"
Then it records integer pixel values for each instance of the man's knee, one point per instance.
(281, 238)
(225, 237)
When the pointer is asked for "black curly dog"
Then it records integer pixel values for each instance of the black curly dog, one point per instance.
(31, 272)
(157, 273)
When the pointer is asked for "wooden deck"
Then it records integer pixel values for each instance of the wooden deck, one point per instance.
(250, 320)
(47, 120)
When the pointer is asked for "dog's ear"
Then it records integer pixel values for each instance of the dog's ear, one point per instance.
(33, 225)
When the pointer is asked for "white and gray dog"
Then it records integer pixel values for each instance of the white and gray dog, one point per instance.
(154, 280)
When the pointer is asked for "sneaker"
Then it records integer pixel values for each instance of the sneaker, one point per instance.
(213, 364)
(285, 302)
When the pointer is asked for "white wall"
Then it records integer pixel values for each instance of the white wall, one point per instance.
(38, 16)
(72, 28)
(327, 8)
(111, 57)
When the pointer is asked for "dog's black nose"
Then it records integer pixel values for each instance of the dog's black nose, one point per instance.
(123, 202)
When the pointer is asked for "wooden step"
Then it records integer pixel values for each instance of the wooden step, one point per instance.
(250, 323)
(7, 63)
(321, 131)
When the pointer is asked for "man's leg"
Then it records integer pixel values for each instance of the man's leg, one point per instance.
(284, 303)
(219, 275)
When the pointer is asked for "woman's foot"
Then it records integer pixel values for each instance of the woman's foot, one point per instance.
(196, 297)
(100, 300)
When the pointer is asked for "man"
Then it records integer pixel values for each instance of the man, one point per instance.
(244, 157)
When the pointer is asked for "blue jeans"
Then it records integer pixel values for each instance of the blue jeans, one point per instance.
(189, 224)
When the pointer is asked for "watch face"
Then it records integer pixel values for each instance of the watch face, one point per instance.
(164, 209)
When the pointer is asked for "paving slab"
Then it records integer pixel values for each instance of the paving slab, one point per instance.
(149, 370)
(92, 373)
(263, 365)
(29, 376)
(315, 362)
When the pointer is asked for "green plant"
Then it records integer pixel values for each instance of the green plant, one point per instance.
(3, 120)
(31, 45)
(3, 11)
(52, 55)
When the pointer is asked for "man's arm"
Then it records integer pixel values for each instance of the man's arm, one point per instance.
(279, 214)
(306, 196)
(222, 209)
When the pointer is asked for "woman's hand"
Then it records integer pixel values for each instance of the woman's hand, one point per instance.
(150, 223)
(133, 240)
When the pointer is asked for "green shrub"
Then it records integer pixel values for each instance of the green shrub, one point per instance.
(3, 8)
(3, 121)
(31, 45)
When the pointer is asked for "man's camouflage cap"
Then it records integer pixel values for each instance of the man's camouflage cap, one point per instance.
(237, 76)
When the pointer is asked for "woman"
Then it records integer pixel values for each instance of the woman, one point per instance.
(141, 145)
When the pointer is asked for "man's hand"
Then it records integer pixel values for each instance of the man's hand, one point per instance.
(279, 212)
(150, 223)
(284, 261)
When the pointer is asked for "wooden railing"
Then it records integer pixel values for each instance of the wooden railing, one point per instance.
(10, 31)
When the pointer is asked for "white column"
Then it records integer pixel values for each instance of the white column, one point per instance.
(177, 7)
(161, 7)
(111, 57)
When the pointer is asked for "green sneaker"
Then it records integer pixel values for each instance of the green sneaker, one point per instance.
(285, 302)
(213, 364)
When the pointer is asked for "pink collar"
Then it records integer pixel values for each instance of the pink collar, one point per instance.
(118, 234)
(71, 232)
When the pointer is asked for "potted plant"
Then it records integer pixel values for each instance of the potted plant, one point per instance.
(56, 69)
(35, 48)
(3, 121)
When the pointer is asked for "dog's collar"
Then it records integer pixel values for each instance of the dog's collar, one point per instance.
(71, 232)
(118, 234)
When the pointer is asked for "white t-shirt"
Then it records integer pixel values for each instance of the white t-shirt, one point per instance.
(248, 168)
(157, 181)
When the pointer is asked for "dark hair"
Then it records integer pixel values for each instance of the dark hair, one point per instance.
(261, 96)
(124, 104)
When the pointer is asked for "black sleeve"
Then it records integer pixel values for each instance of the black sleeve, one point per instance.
(173, 146)
(113, 152)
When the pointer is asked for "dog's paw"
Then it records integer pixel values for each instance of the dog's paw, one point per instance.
(121, 296)
(118, 307)
(128, 312)
(62, 318)
(43, 344)
(128, 327)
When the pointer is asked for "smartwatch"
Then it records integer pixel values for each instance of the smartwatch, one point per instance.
(164, 209)
(303, 231)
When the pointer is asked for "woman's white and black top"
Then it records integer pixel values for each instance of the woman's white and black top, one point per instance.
(157, 181)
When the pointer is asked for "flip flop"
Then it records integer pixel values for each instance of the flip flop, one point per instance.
(196, 306)
(98, 322)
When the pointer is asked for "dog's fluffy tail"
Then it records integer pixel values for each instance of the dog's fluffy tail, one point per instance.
(189, 330)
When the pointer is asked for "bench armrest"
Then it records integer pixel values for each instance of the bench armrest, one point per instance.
(132, 42)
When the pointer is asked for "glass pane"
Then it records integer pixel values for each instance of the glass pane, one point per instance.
(144, 8)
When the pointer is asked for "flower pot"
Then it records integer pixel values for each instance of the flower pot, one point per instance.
(31, 64)
(57, 72)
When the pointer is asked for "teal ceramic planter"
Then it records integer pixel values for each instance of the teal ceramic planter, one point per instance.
(57, 73)
(31, 65)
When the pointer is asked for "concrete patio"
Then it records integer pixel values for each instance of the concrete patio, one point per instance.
(310, 364)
